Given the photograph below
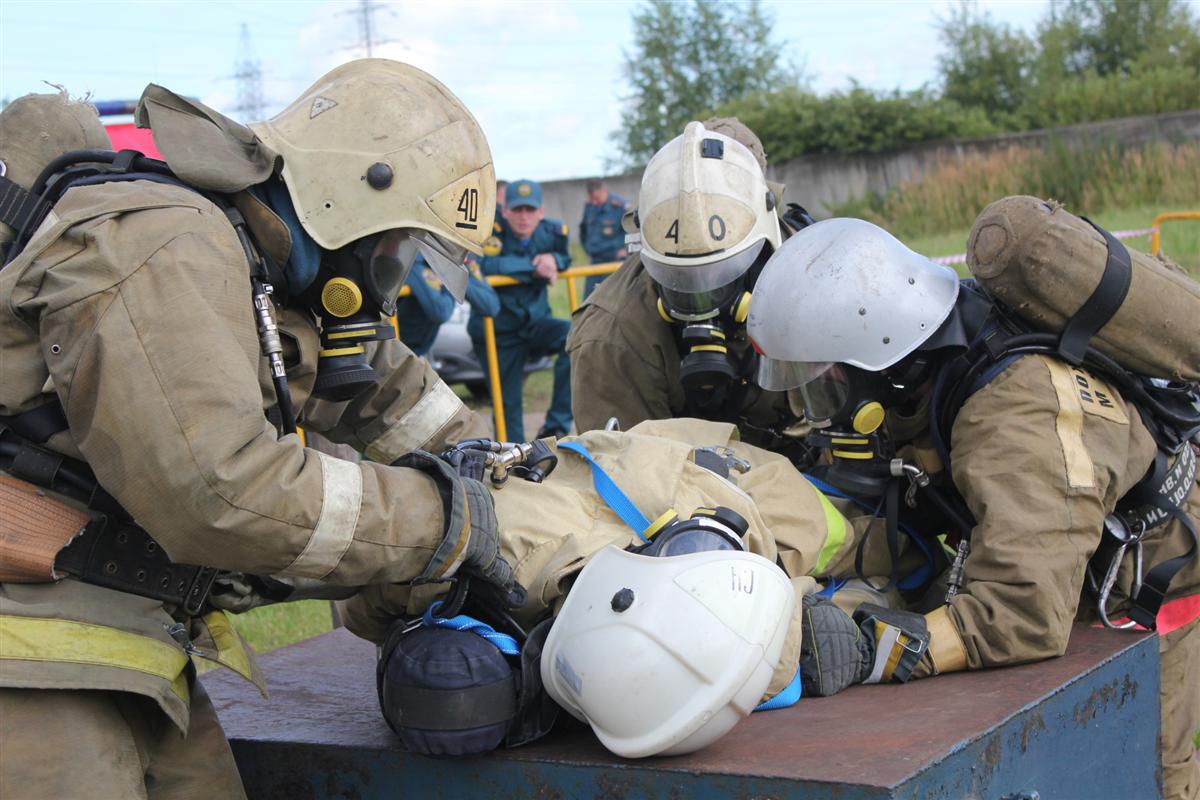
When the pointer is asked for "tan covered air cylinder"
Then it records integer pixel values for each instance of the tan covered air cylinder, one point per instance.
(1044, 263)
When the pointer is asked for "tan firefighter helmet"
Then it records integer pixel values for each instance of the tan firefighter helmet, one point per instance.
(378, 145)
(705, 213)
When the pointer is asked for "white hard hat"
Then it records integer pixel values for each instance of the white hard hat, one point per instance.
(705, 212)
(377, 145)
(844, 291)
(662, 656)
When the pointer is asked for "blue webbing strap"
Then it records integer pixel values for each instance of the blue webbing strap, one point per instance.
(787, 697)
(832, 587)
(914, 579)
(503, 642)
(609, 492)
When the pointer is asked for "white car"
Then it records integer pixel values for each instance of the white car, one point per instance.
(453, 356)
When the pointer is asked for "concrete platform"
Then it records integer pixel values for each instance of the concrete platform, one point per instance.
(1080, 726)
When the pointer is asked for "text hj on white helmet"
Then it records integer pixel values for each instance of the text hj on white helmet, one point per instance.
(662, 656)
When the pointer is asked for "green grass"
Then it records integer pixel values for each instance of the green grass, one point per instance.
(270, 627)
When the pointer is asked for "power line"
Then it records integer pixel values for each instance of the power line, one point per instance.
(248, 74)
(364, 13)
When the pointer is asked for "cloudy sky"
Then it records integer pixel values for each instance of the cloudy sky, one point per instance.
(543, 78)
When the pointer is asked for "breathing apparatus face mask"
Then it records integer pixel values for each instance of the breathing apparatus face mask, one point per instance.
(355, 292)
(839, 397)
(708, 315)
(707, 529)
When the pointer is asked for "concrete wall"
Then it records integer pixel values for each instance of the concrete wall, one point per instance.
(821, 181)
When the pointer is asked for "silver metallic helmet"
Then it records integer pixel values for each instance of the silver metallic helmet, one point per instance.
(844, 291)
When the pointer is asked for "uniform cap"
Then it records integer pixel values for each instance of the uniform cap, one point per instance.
(523, 193)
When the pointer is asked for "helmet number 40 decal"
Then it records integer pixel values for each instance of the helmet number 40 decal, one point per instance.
(468, 207)
(716, 229)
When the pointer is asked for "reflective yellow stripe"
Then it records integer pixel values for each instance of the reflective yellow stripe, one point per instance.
(342, 351)
(835, 534)
(1081, 473)
(710, 348)
(231, 652)
(654, 527)
(359, 334)
(40, 639)
(852, 454)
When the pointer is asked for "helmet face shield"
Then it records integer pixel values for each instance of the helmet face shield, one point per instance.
(832, 394)
(447, 259)
(777, 375)
(691, 306)
(826, 395)
(387, 269)
(702, 276)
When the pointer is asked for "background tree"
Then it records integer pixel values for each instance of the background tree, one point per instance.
(1107, 37)
(688, 58)
(984, 64)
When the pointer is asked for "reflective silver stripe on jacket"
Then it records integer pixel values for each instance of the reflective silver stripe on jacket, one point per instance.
(341, 503)
(418, 426)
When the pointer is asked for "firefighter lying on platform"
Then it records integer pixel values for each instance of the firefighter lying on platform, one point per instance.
(747, 533)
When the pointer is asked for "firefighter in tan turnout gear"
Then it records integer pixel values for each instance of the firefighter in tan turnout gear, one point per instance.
(147, 426)
(1065, 478)
(664, 336)
(688, 478)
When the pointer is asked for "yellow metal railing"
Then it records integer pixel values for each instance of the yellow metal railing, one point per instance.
(489, 329)
(1156, 237)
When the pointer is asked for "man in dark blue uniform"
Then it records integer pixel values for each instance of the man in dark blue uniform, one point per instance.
(420, 314)
(501, 188)
(600, 231)
(533, 250)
